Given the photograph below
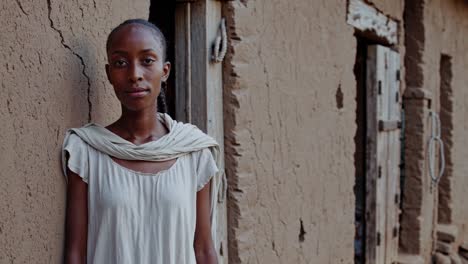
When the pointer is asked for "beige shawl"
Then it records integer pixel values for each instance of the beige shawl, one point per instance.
(181, 139)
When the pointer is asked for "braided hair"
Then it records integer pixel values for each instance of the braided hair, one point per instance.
(159, 36)
(162, 104)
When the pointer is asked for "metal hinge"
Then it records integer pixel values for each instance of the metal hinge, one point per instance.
(390, 125)
(379, 87)
(378, 239)
(379, 173)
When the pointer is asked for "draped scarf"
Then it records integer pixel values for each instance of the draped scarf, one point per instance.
(182, 139)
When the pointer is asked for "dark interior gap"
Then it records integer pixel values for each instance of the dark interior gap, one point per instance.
(162, 14)
(360, 151)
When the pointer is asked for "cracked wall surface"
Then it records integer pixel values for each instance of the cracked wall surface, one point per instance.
(289, 118)
(52, 78)
(289, 140)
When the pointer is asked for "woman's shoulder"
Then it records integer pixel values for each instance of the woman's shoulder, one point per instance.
(83, 133)
(203, 153)
(74, 137)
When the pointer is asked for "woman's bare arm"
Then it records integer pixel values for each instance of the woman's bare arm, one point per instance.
(204, 249)
(76, 225)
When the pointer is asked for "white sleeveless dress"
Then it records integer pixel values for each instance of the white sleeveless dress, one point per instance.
(135, 217)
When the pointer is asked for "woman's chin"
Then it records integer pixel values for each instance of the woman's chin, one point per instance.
(138, 107)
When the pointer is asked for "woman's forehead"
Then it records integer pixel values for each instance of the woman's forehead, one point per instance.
(135, 36)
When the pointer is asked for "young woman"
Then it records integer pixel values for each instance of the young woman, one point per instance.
(138, 190)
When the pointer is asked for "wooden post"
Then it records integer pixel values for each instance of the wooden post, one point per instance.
(199, 94)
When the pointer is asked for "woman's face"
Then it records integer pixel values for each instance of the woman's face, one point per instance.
(136, 67)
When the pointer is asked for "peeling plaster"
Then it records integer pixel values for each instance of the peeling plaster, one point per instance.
(366, 18)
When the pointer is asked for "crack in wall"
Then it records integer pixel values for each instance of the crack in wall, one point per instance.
(21, 7)
(83, 71)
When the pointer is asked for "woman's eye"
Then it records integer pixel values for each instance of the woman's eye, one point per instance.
(120, 63)
(148, 61)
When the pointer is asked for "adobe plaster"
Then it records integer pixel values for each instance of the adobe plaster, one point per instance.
(52, 78)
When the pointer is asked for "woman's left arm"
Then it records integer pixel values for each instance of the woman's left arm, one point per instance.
(205, 252)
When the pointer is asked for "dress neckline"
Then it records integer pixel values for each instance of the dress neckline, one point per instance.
(141, 173)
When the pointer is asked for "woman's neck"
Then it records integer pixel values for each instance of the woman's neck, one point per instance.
(139, 126)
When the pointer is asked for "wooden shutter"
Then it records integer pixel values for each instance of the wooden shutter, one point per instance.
(199, 94)
(383, 154)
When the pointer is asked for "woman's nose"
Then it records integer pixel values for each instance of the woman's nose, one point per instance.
(135, 74)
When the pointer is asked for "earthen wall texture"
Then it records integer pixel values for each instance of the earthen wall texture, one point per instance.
(52, 78)
(447, 33)
(290, 96)
(290, 120)
(435, 29)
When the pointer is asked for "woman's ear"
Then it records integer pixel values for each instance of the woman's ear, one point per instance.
(166, 70)
(108, 73)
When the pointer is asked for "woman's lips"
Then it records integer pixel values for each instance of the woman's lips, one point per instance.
(136, 93)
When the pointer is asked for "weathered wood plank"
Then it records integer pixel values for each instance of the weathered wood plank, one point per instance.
(183, 65)
(383, 109)
(198, 24)
(199, 84)
(388, 227)
(393, 186)
(372, 170)
(382, 151)
(214, 114)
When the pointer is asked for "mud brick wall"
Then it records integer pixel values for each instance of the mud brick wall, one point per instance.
(52, 78)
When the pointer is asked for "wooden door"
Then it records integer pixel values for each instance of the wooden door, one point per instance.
(382, 154)
(199, 85)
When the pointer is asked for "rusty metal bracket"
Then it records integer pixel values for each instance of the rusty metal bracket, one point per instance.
(385, 126)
